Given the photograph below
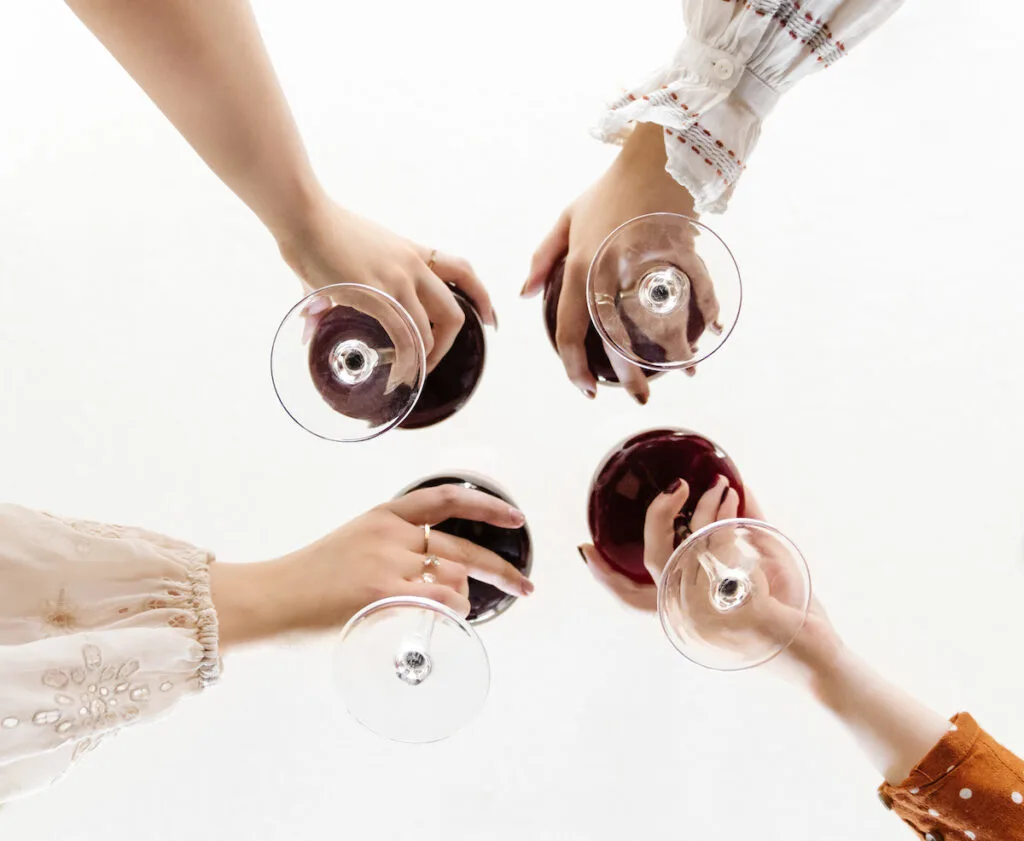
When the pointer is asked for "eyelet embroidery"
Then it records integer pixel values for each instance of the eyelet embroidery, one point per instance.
(93, 699)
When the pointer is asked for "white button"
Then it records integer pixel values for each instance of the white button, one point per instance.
(724, 69)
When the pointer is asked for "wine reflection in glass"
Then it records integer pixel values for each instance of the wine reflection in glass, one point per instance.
(411, 669)
(348, 363)
(663, 292)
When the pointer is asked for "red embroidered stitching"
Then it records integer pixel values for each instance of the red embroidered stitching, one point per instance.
(811, 31)
(713, 153)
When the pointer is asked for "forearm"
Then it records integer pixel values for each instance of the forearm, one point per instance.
(206, 68)
(247, 601)
(894, 730)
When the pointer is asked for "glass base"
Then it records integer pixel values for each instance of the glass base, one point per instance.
(411, 670)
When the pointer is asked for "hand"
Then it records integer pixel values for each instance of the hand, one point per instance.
(376, 555)
(816, 644)
(636, 184)
(336, 246)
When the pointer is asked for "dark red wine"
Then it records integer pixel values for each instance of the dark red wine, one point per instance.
(446, 390)
(597, 358)
(513, 545)
(450, 385)
(633, 474)
(369, 400)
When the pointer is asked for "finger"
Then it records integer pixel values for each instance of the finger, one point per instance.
(458, 271)
(659, 527)
(411, 302)
(704, 291)
(312, 313)
(706, 511)
(571, 325)
(431, 506)
(730, 506)
(438, 593)
(638, 596)
(751, 507)
(550, 251)
(631, 377)
(447, 572)
(444, 313)
(482, 564)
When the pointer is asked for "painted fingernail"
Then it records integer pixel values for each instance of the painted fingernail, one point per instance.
(494, 319)
(523, 290)
(717, 326)
(582, 554)
(527, 586)
(642, 398)
(518, 517)
(588, 392)
(675, 486)
(691, 372)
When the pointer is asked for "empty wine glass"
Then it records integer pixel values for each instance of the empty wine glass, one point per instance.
(633, 473)
(734, 595)
(663, 292)
(411, 669)
(348, 363)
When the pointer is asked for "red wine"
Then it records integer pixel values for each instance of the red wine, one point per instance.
(633, 474)
(446, 390)
(369, 400)
(597, 358)
(513, 545)
(452, 382)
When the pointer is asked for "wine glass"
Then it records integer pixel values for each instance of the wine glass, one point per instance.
(412, 670)
(650, 284)
(633, 473)
(734, 595)
(348, 364)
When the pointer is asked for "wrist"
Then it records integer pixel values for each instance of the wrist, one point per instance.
(245, 597)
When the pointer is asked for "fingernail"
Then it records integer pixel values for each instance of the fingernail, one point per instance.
(691, 372)
(582, 554)
(642, 398)
(523, 290)
(675, 486)
(494, 319)
(717, 326)
(588, 392)
(527, 586)
(518, 517)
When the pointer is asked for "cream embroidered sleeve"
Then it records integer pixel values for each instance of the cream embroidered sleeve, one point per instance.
(100, 626)
(738, 57)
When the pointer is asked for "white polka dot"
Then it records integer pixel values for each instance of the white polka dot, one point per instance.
(1016, 797)
(966, 793)
(914, 790)
(933, 813)
(970, 835)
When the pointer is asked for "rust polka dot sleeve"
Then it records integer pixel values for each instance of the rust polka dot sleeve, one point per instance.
(967, 787)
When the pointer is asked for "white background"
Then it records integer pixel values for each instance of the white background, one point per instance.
(872, 394)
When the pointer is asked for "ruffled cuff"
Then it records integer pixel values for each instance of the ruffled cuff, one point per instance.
(711, 107)
(968, 786)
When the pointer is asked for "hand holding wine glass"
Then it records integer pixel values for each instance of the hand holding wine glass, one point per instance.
(379, 554)
(336, 246)
(635, 185)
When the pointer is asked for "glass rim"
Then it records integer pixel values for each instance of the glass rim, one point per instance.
(603, 333)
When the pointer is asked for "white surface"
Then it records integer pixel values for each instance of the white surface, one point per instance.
(872, 394)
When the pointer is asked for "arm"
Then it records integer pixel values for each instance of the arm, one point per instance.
(205, 66)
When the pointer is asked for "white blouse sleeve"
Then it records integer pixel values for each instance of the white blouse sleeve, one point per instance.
(738, 57)
(100, 626)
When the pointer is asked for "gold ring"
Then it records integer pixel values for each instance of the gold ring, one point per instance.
(432, 260)
(426, 539)
(431, 562)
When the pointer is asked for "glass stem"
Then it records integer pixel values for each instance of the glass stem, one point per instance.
(729, 587)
